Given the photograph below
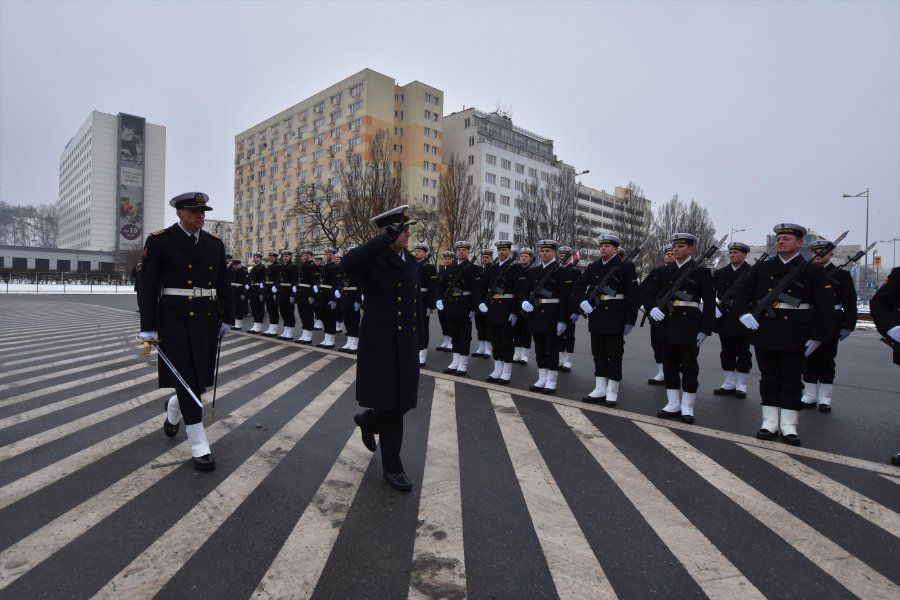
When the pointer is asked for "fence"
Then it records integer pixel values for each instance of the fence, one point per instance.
(32, 282)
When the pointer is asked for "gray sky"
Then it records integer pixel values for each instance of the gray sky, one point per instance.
(763, 112)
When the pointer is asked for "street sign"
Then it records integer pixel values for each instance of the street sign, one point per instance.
(876, 261)
(870, 284)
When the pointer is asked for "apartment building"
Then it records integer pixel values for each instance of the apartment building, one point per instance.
(598, 211)
(112, 179)
(308, 143)
(223, 230)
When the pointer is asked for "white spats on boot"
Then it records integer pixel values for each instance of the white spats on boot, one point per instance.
(769, 428)
(446, 342)
(740, 382)
(488, 349)
(824, 397)
(565, 362)
(173, 411)
(287, 334)
(463, 365)
(659, 377)
(346, 345)
(563, 357)
(612, 393)
(327, 342)
(498, 370)
(730, 381)
(687, 406)
(517, 354)
(305, 335)
(257, 328)
(789, 420)
(538, 385)
(506, 375)
(355, 345)
(317, 325)
(810, 393)
(272, 330)
(339, 327)
(238, 324)
(599, 391)
(524, 358)
(672, 408)
(480, 350)
(423, 355)
(196, 436)
(550, 386)
(454, 364)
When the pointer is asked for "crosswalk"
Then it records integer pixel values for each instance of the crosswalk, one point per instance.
(516, 495)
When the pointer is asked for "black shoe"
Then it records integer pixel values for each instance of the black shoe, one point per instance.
(449, 371)
(592, 400)
(740, 394)
(460, 373)
(503, 382)
(792, 438)
(807, 405)
(895, 460)
(368, 436)
(326, 346)
(253, 332)
(535, 388)
(689, 419)
(652, 381)
(549, 391)
(664, 414)
(204, 463)
(723, 392)
(825, 408)
(490, 379)
(565, 369)
(398, 481)
(236, 328)
(169, 429)
(610, 403)
(351, 351)
(421, 364)
(765, 434)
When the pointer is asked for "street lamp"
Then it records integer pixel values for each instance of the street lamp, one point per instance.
(864, 194)
(731, 235)
(894, 242)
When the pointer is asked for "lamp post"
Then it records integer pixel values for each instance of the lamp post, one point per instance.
(865, 195)
(731, 235)
(894, 255)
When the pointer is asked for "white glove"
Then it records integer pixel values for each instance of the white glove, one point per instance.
(527, 306)
(811, 346)
(701, 337)
(332, 305)
(657, 315)
(574, 317)
(246, 286)
(513, 319)
(471, 314)
(274, 290)
(586, 307)
(260, 285)
(718, 313)
(428, 312)
(311, 300)
(357, 306)
(315, 289)
(894, 333)
(223, 329)
(439, 304)
(294, 288)
(337, 294)
(482, 307)
(748, 321)
(628, 328)
(843, 334)
(560, 328)
(154, 335)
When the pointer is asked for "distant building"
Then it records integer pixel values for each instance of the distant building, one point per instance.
(222, 230)
(598, 212)
(112, 178)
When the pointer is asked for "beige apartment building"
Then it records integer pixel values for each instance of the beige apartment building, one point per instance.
(309, 142)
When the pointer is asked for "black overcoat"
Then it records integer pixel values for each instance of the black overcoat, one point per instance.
(387, 368)
(557, 288)
(683, 323)
(723, 279)
(610, 316)
(844, 291)
(498, 282)
(885, 307)
(458, 288)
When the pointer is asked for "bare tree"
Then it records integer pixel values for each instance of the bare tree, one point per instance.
(35, 226)
(483, 236)
(677, 217)
(317, 210)
(548, 211)
(634, 223)
(458, 201)
(428, 226)
(372, 183)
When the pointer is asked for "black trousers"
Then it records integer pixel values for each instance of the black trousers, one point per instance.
(306, 312)
(656, 345)
(240, 305)
(388, 424)
(423, 332)
(257, 306)
(680, 367)
(461, 334)
(820, 365)
(567, 341)
(522, 334)
(608, 351)
(502, 346)
(546, 350)
(190, 412)
(481, 327)
(329, 319)
(780, 382)
(351, 322)
(272, 308)
(442, 319)
(735, 354)
(287, 313)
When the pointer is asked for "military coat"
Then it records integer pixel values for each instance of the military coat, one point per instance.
(458, 288)
(553, 302)
(290, 277)
(684, 320)
(328, 280)
(723, 280)
(499, 290)
(844, 299)
(610, 312)
(885, 307)
(309, 276)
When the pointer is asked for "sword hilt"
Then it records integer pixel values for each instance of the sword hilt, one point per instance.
(146, 345)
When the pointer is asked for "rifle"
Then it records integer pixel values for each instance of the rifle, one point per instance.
(665, 300)
(540, 286)
(726, 297)
(602, 284)
(855, 258)
(452, 284)
(509, 263)
(765, 304)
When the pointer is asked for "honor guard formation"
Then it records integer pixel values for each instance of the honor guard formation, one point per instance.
(794, 313)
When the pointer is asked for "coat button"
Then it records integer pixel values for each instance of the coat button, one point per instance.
(399, 328)
(190, 267)
(399, 313)
(190, 282)
(398, 299)
(190, 297)
(210, 268)
(190, 314)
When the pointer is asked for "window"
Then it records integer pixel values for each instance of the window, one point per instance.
(520, 186)
(490, 159)
(398, 131)
(544, 176)
(471, 159)
(504, 182)
(467, 123)
(504, 218)
(488, 215)
(471, 140)
(427, 148)
(427, 131)
(504, 200)
(355, 107)
(505, 164)
(532, 172)
(427, 115)
(490, 178)
(490, 197)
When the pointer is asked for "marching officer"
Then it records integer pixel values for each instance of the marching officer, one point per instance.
(521, 332)
(684, 325)
(240, 281)
(306, 298)
(611, 312)
(546, 297)
(287, 287)
(350, 306)
(497, 302)
(792, 327)
(270, 296)
(328, 292)
(567, 341)
(818, 372)
(486, 256)
(387, 372)
(187, 305)
(668, 258)
(447, 258)
(455, 296)
(257, 275)
(735, 356)
(428, 284)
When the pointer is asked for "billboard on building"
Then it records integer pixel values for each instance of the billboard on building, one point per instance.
(130, 210)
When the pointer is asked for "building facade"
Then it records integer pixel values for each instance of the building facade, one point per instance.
(112, 177)
(223, 230)
(309, 143)
(598, 211)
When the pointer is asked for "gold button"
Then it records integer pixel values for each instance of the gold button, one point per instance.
(210, 268)
(190, 282)
(399, 314)
(785, 317)
(190, 267)
(190, 297)
(399, 328)
(398, 284)
(190, 314)
(398, 298)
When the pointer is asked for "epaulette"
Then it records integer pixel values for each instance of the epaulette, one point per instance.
(213, 236)
(160, 232)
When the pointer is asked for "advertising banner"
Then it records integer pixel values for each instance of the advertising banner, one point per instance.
(130, 219)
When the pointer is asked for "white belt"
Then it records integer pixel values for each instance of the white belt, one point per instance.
(783, 306)
(350, 289)
(502, 296)
(685, 303)
(461, 294)
(548, 300)
(286, 284)
(270, 282)
(838, 307)
(420, 289)
(604, 297)
(194, 292)
(324, 287)
(238, 284)
(303, 285)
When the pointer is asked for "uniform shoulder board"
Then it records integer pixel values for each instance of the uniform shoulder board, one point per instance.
(160, 232)
(214, 236)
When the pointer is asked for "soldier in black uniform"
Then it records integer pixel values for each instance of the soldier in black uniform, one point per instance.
(545, 293)
(306, 298)
(885, 307)
(240, 282)
(447, 258)
(684, 325)
(803, 317)
(328, 292)
(350, 306)
(818, 372)
(270, 295)
(428, 284)
(735, 356)
(497, 302)
(456, 297)
(611, 314)
(387, 372)
(521, 332)
(186, 304)
(486, 257)
(668, 258)
(257, 275)
(287, 288)
(567, 341)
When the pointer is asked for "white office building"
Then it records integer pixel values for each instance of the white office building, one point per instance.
(112, 178)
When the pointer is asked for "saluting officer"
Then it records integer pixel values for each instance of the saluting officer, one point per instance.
(455, 296)
(257, 274)
(668, 258)
(240, 282)
(428, 284)
(270, 295)
(306, 298)
(187, 305)
(486, 256)
(735, 356)
(818, 372)
(328, 292)
(497, 302)
(546, 297)
(802, 319)
(684, 326)
(612, 313)
(387, 372)
(287, 287)
(447, 258)
(521, 332)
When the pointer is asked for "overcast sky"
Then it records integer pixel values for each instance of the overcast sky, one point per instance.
(763, 112)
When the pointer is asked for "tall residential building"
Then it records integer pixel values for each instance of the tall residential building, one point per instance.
(309, 143)
(598, 211)
(503, 158)
(221, 229)
(112, 179)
